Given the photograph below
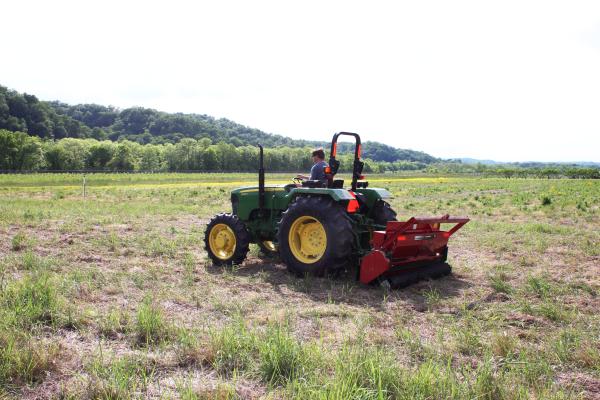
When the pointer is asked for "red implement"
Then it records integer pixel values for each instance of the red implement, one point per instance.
(409, 247)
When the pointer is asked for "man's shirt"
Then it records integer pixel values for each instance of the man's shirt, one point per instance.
(317, 172)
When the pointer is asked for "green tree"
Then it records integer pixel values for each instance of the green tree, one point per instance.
(68, 154)
(211, 159)
(124, 158)
(152, 158)
(100, 154)
(20, 152)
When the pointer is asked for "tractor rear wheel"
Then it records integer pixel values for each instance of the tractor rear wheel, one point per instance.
(226, 240)
(315, 235)
(383, 212)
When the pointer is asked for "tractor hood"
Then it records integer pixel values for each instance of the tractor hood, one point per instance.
(246, 190)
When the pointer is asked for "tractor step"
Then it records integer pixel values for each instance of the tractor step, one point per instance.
(406, 278)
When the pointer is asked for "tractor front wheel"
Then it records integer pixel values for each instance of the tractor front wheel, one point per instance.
(226, 240)
(315, 235)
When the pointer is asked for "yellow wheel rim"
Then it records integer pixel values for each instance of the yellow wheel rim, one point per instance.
(307, 239)
(269, 245)
(221, 240)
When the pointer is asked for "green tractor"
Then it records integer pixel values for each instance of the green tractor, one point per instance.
(317, 227)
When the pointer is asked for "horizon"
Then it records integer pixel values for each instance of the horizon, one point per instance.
(523, 74)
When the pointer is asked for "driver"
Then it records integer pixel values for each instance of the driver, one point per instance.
(317, 172)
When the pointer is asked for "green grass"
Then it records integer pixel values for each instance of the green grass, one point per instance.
(232, 349)
(282, 358)
(19, 242)
(112, 296)
(499, 282)
(114, 323)
(24, 360)
(117, 378)
(151, 327)
(28, 306)
(32, 301)
(223, 391)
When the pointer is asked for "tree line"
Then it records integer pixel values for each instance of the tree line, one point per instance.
(57, 120)
(516, 170)
(21, 152)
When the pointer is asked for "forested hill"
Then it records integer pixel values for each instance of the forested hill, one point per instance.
(57, 120)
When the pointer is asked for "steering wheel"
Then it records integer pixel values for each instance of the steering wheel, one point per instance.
(297, 180)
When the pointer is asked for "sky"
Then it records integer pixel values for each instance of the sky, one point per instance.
(508, 81)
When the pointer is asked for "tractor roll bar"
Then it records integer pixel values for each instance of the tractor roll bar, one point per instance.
(261, 179)
(335, 164)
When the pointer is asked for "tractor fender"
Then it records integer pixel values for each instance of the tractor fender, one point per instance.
(379, 193)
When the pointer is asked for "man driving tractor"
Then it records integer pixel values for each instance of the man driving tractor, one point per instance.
(320, 225)
(317, 172)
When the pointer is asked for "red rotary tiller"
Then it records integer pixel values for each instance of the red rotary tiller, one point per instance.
(409, 251)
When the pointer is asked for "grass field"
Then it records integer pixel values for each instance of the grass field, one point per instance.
(111, 296)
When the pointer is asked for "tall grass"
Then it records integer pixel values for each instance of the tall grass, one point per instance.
(359, 370)
(31, 301)
(117, 378)
(26, 305)
(151, 327)
(282, 357)
(232, 348)
(24, 359)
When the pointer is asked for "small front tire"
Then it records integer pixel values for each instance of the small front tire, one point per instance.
(226, 240)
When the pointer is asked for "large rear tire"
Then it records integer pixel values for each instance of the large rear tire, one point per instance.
(315, 235)
(226, 240)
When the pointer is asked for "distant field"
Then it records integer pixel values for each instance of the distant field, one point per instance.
(140, 179)
(111, 296)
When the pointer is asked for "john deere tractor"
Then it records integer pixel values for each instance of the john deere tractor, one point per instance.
(321, 226)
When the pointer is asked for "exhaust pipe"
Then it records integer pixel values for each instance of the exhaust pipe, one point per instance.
(261, 180)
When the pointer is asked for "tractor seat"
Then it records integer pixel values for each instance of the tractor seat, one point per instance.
(314, 184)
(337, 184)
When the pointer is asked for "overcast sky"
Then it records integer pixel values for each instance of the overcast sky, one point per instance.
(502, 80)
